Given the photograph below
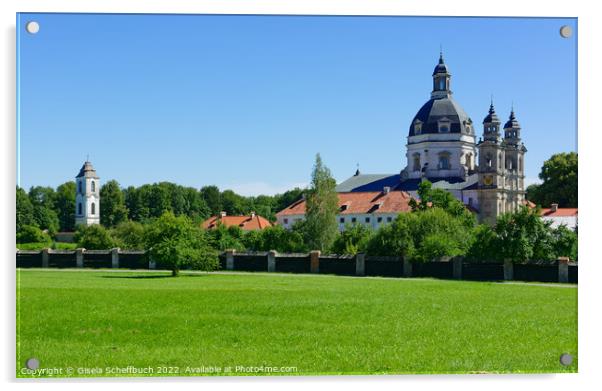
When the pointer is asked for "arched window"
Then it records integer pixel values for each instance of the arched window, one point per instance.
(500, 160)
(93, 209)
(416, 162)
(79, 207)
(444, 161)
(442, 84)
(93, 186)
(469, 161)
(79, 187)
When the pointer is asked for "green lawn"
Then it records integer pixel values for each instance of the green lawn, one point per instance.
(318, 324)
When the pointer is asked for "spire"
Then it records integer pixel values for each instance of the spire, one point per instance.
(491, 117)
(512, 127)
(441, 79)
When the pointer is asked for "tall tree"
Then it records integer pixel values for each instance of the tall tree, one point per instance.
(559, 176)
(322, 206)
(113, 210)
(42, 198)
(25, 214)
(212, 198)
(64, 204)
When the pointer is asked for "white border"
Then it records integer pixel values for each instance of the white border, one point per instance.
(589, 130)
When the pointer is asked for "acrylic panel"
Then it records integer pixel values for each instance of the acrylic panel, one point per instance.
(266, 195)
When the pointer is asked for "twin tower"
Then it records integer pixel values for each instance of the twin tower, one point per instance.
(487, 175)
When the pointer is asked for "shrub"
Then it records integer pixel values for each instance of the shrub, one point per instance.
(32, 234)
(565, 242)
(274, 238)
(128, 235)
(224, 238)
(93, 237)
(484, 245)
(352, 240)
(177, 243)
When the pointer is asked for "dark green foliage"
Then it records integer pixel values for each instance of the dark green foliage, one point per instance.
(64, 205)
(113, 210)
(322, 206)
(93, 237)
(523, 235)
(212, 197)
(129, 235)
(226, 238)
(274, 238)
(42, 200)
(176, 243)
(565, 242)
(354, 239)
(439, 198)
(421, 237)
(484, 246)
(32, 234)
(25, 216)
(559, 176)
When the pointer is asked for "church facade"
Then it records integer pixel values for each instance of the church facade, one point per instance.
(442, 147)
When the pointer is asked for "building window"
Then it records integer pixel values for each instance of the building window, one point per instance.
(416, 162)
(79, 207)
(285, 221)
(93, 209)
(389, 219)
(444, 161)
(379, 219)
(93, 186)
(417, 126)
(488, 160)
(353, 219)
(79, 187)
(469, 161)
(342, 220)
(367, 219)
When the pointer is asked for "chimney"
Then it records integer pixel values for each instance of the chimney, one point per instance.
(252, 214)
(386, 190)
(222, 214)
(553, 207)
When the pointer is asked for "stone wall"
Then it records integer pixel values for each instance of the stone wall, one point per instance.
(314, 262)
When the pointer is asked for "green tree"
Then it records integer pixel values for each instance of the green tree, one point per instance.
(232, 203)
(354, 239)
(484, 246)
(42, 198)
(25, 216)
(175, 242)
(212, 197)
(129, 235)
(523, 235)
(559, 176)
(274, 238)
(32, 234)
(322, 206)
(439, 198)
(113, 206)
(93, 237)
(395, 238)
(225, 238)
(64, 204)
(565, 242)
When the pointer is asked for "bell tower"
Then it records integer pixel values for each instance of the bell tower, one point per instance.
(87, 196)
(441, 80)
(514, 151)
(491, 172)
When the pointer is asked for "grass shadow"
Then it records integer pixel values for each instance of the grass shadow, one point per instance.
(152, 276)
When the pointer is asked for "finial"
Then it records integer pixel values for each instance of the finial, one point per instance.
(440, 53)
(357, 171)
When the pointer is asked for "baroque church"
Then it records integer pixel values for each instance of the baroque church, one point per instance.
(487, 175)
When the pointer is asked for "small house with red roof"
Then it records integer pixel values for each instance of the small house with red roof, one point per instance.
(253, 222)
(369, 208)
(560, 216)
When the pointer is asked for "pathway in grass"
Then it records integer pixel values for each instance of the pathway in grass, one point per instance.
(316, 324)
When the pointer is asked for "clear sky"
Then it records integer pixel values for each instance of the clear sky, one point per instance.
(245, 102)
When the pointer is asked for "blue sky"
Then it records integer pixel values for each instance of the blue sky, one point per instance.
(245, 102)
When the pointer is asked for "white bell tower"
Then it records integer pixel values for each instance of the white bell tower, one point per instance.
(87, 196)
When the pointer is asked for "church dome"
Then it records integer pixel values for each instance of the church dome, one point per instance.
(436, 111)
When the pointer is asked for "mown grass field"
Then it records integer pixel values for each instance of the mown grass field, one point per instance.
(318, 324)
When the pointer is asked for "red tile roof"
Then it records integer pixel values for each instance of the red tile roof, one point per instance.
(560, 212)
(361, 202)
(247, 223)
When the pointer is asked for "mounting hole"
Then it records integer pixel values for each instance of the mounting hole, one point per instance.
(566, 31)
(566, 359)
(32, 363)
(32, 27)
